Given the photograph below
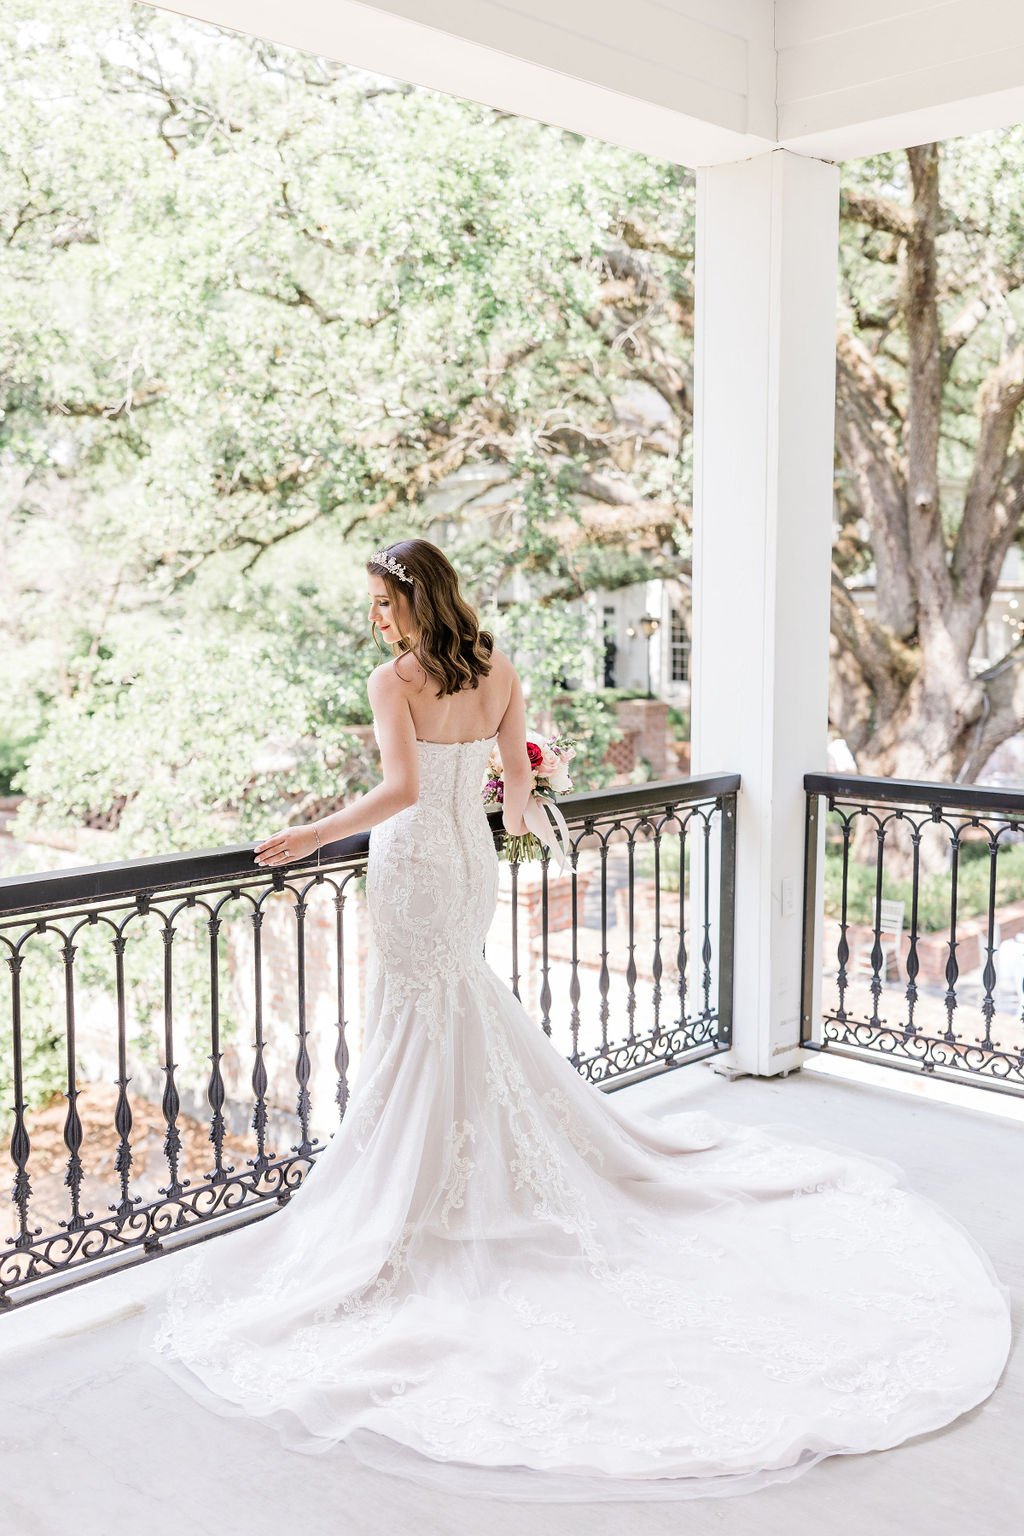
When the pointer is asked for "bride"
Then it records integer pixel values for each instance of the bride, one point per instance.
(498, 1280)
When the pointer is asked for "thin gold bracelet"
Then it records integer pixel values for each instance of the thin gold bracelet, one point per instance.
(316, 834)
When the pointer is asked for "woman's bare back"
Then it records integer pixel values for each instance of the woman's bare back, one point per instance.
(466, 716)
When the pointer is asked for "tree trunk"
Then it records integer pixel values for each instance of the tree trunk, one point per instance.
(904, 692)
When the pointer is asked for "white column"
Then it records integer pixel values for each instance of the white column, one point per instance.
(767, 248)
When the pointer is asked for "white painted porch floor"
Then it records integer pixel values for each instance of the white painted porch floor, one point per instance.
(86, 1452)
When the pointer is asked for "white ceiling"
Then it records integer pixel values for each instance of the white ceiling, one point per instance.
(697, 81)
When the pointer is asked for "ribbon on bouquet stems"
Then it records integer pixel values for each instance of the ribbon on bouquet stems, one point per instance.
(554, 837)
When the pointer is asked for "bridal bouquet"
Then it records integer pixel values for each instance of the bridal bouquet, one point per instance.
(549, 760)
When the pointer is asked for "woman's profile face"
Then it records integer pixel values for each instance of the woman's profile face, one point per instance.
(390, 623)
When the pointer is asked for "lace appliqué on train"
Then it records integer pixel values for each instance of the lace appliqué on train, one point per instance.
(535, 1410)
(459, 1169)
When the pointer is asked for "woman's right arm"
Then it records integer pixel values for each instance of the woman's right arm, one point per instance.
(516, 771)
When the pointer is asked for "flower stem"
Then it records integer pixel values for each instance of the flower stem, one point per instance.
(520, 850)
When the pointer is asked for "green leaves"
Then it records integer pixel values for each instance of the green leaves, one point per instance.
(259, 311)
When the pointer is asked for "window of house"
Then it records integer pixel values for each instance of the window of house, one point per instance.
(680, 644)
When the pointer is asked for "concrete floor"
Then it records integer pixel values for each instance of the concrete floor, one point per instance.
(86, 1450)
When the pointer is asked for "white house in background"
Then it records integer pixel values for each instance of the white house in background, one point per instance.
(637, 653)
(640, 655)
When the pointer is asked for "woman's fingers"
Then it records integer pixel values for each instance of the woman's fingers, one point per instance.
(284, 847)
(272, 851)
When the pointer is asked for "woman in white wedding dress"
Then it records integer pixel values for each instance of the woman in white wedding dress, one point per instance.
(497, 1279)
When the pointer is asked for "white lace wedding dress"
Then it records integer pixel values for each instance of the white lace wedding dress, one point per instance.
(499, 1279)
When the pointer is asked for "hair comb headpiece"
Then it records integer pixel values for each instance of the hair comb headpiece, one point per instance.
(391, 564)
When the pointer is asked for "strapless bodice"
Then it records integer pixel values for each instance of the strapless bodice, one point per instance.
(432, 872)
(451, 772)
(423, 742)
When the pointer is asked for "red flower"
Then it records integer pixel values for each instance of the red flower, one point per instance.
(536, 755)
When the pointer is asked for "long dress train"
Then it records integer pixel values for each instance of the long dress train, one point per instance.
(499, 1280)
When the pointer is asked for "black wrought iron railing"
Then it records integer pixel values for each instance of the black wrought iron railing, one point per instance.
(914, 932)
(178, 1036)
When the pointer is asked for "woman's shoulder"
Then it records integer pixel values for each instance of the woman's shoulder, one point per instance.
(502, 670)
(407, 669)
(387, 672)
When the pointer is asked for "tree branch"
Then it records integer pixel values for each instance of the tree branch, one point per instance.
(882, 213)
(995, 287)
(639, 238)
(888, 666)
(301, 298)
(871, 456)
(992, 505)
(1002, 715)
(147, 394)
(924, 395)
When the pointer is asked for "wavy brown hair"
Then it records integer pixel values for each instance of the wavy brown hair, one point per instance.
(452, 648)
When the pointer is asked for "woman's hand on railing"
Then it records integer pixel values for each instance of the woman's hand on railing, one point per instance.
(287, 846)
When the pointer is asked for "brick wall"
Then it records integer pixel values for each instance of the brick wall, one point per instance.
(645, 723)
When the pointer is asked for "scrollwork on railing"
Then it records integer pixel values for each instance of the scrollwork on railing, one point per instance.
(211, 1001)
(915, 941)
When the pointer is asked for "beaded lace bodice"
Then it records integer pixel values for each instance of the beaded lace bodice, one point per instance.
(440, 850)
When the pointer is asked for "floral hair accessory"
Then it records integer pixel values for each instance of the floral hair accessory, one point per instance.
(391, 564)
